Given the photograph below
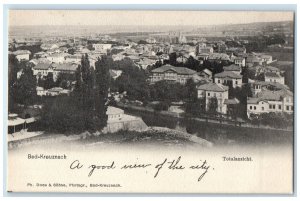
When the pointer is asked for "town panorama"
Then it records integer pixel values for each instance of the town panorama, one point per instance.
(222, 83)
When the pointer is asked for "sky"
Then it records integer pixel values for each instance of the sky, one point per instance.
(150, 18)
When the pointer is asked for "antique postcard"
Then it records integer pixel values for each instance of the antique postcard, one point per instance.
(141, 101)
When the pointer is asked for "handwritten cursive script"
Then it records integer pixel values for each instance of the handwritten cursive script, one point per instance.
(165, 165)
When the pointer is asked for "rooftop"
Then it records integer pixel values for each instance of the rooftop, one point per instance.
(179, 70)
(213, 87)
(271, 74)
(232, 67)
(233, 101)
(228, 74)
(114, 110)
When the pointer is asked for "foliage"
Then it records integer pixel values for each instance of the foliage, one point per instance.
(49, 82)
(71, 51)
(276, 120)
(102, 85)
(173, 59)
(143, 42)
(62, 114)
(85, 108)
(168, 92)
(212, 105)
(13, 68)
(64, 80)
(132, 80)
(25, 88)
(260, 77)
(196, 107)
(241, 94)
(192, 63)
(191, 90)
(115, 51)
(162, 105)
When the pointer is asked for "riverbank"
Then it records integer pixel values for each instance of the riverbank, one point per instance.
(216, 121)
(220, 134)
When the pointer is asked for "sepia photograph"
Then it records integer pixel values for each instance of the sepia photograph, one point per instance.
(150, 101)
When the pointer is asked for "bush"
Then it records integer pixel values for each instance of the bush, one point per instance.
(276, 120)
(63, 115)
(161, 106)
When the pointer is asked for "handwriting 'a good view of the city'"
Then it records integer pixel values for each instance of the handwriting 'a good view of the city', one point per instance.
(198, 81)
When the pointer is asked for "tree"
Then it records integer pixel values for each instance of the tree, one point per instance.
(102, 79)
(62, 115)
(133, 80)
(64, 80)
(260, 77)
(40, 81)
(71, 51)
(213, 105)
(196, 107)
(26, 87)
(84, 93)
(173, 59)
(192, 63)
(49, 82)
(13, 68)
(191, 90)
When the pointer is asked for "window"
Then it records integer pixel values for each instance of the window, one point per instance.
(250, 107)
(287, 107)
(208, 94)
(270, 106)
(236, 82)
(254, 107)
(292, 107)
(262, 108)
(273, 107)
(279, 107)
(219, 81)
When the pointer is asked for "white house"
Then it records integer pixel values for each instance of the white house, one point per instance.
(114, 114)
(76, 58)
(172, 74)
(218, 91)
(40, 91)
(57, 57)
(43, 69)
(274, 77)
(151, 40)
(240, 61)
(102, 47)
(259, 86)
(266, 58)
(271, 101)
(228, 78)
(22, 55)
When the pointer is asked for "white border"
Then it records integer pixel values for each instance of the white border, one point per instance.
(146, 2)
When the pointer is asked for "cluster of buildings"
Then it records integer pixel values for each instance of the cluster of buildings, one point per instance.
(270, 95)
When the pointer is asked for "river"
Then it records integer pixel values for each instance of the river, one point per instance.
(219, 134)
